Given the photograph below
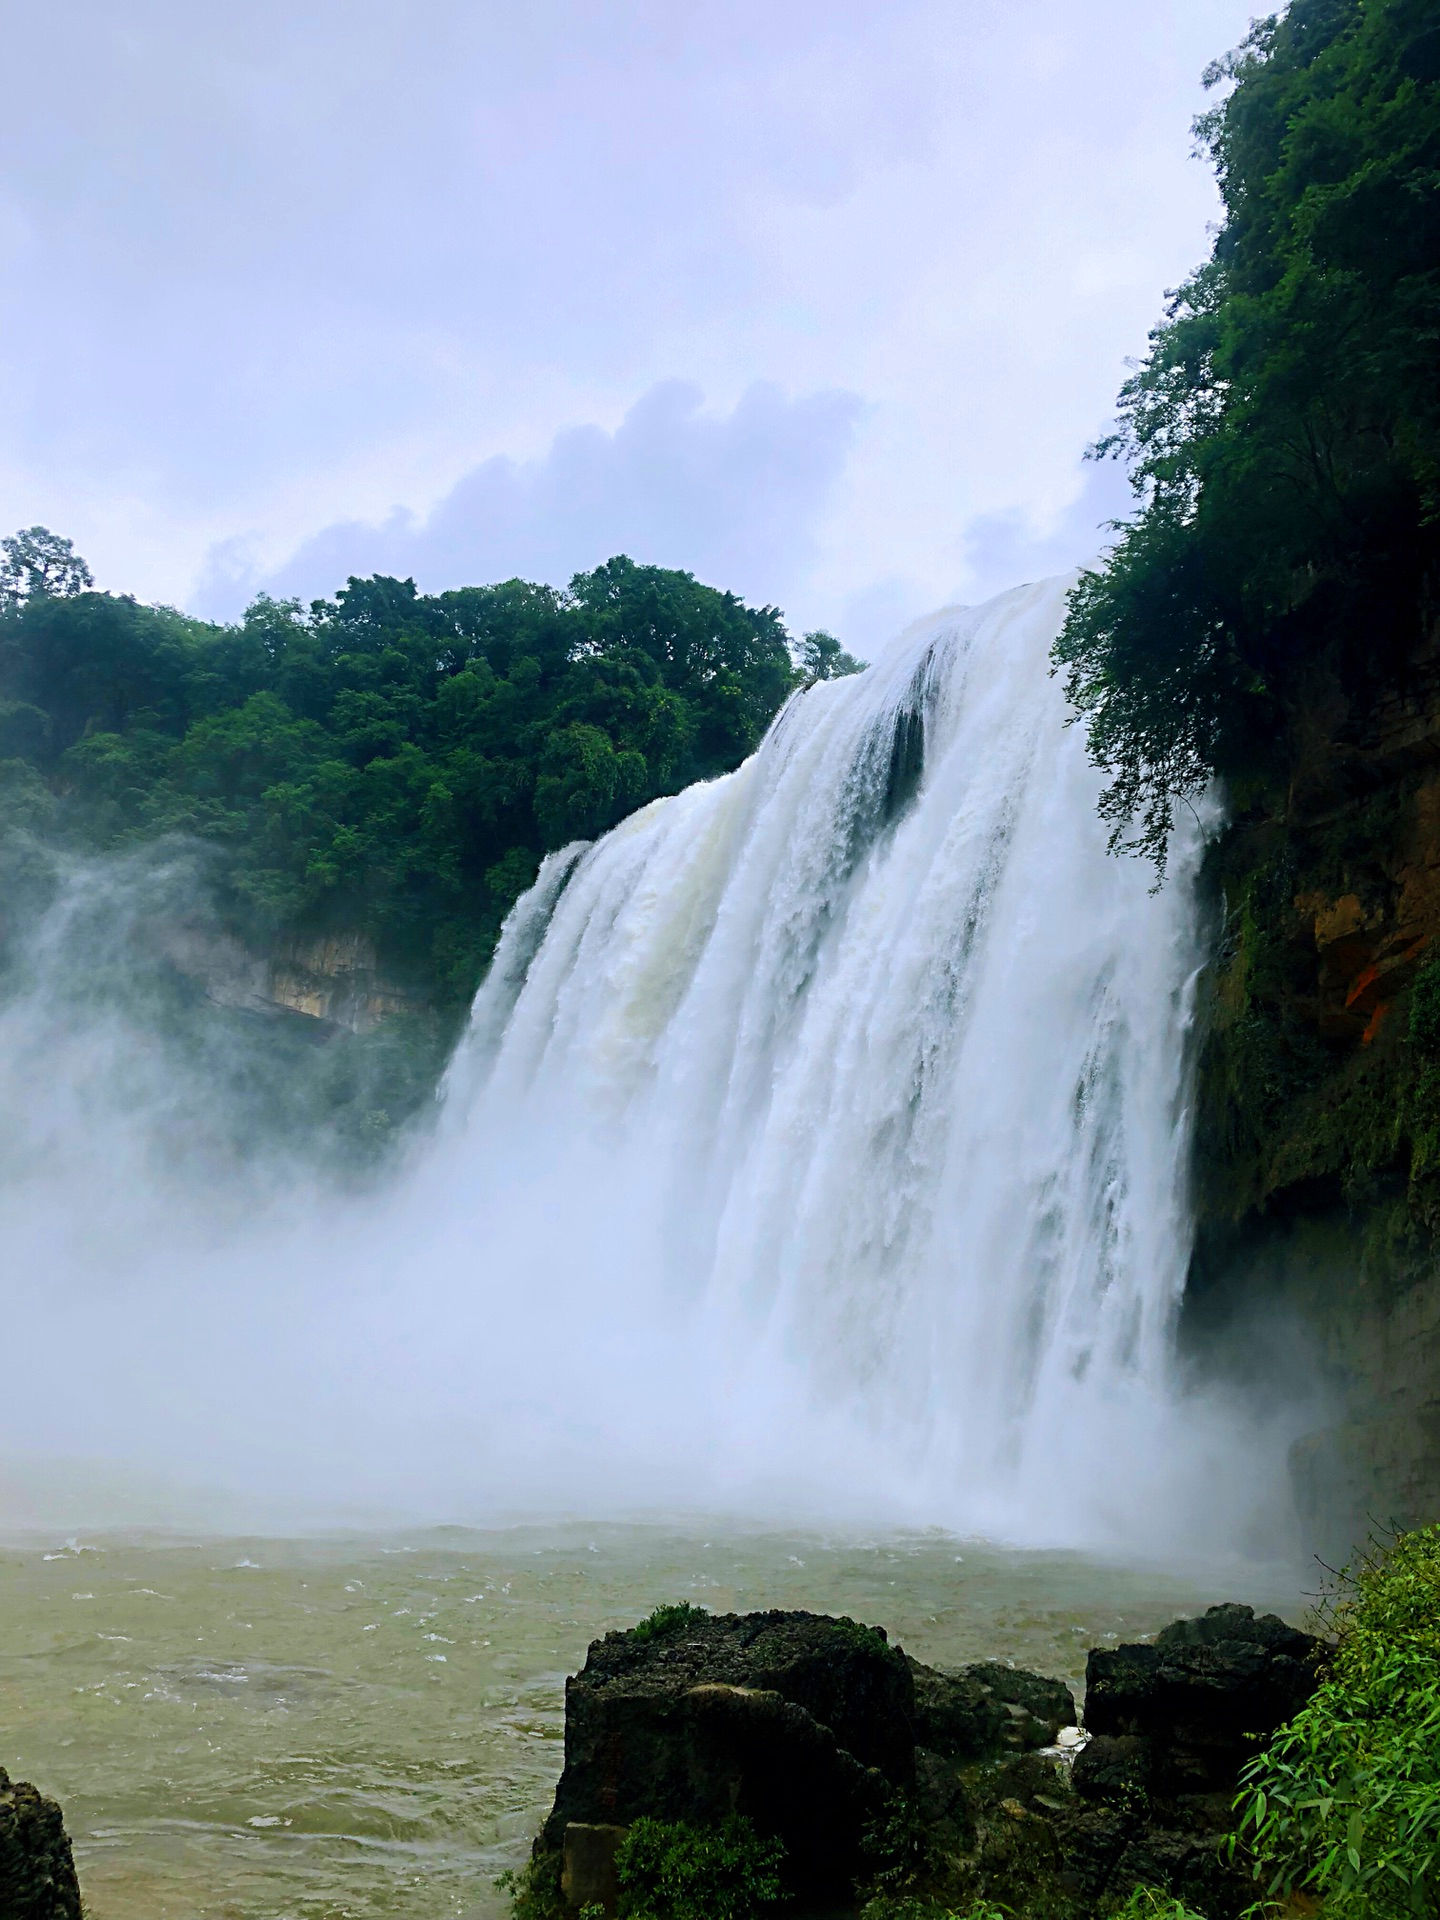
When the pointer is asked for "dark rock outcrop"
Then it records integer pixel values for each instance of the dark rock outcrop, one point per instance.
(1171, 1723)
(37, 1872)
(948, 1783)
(801, 1723)
(1200, 1693)
(982, 1711)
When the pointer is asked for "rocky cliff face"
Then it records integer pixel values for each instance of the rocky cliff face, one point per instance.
(1317, 1174)
(333, 978)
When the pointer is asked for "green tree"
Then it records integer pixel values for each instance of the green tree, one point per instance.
(823, 658)
(39, 562)
(387, 760)
(1283, 432)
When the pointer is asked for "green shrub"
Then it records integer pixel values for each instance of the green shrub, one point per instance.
(1148, 1903)
(534, 1889)
(897, 1845)
(917, 1907)
(676, 1871)
(1345, 1803)
(671, 1617)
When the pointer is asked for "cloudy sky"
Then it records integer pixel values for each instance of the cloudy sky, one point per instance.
(819, 298)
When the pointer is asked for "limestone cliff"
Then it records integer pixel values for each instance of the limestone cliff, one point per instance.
(1317, 1170)
(334, 978)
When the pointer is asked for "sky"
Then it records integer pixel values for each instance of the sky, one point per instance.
(820, 299)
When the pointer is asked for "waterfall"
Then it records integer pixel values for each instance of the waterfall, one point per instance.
(869, 1064)
(816, 1148)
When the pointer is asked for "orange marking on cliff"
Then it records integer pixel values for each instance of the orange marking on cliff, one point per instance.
(1377, 1019)
(1361, 981)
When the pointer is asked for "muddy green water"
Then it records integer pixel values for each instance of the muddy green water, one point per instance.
(371, 1727)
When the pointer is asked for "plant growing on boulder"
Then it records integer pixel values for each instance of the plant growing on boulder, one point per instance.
(1145, 1903)
(671, 1616)
(898, 1845)
(674, 1871)
(1345, 1803)
(917, 1907)
(533, 1890)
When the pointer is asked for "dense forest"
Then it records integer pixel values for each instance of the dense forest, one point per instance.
(189, 813)
(387, 761)
(1267, 617)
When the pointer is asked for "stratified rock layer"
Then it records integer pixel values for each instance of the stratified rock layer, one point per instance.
(37, 1872)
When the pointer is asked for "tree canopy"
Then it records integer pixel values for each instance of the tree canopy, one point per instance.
(1283, 432)
(388, 760)
(39, 562)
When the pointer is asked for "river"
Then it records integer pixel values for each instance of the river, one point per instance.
(359, 1727)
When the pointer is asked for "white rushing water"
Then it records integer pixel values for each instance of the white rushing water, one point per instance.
(817, 1147)
(878, 1062)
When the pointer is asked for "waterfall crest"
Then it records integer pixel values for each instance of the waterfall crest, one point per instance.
(869, 1063)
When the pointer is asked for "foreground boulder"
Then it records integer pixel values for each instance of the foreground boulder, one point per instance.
(37, 1872)
(983, 1711)
(801, 1723)
(1195, 1698)
(877, 1772)
(1172, 1723)
(814, 1729)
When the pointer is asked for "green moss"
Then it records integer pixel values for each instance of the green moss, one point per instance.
(1287, 1118)
(670, 1617)
(1424, 1032)
(856, 1634)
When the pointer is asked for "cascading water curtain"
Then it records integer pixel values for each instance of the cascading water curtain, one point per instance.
(859, 1077)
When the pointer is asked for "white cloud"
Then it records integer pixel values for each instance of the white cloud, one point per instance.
(1004, 549)
(732, 498)
(271, 269)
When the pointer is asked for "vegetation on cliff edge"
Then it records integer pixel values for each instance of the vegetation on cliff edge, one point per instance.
(388, 764)
(1283, 432)
(387, 761)
(1268, 615)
